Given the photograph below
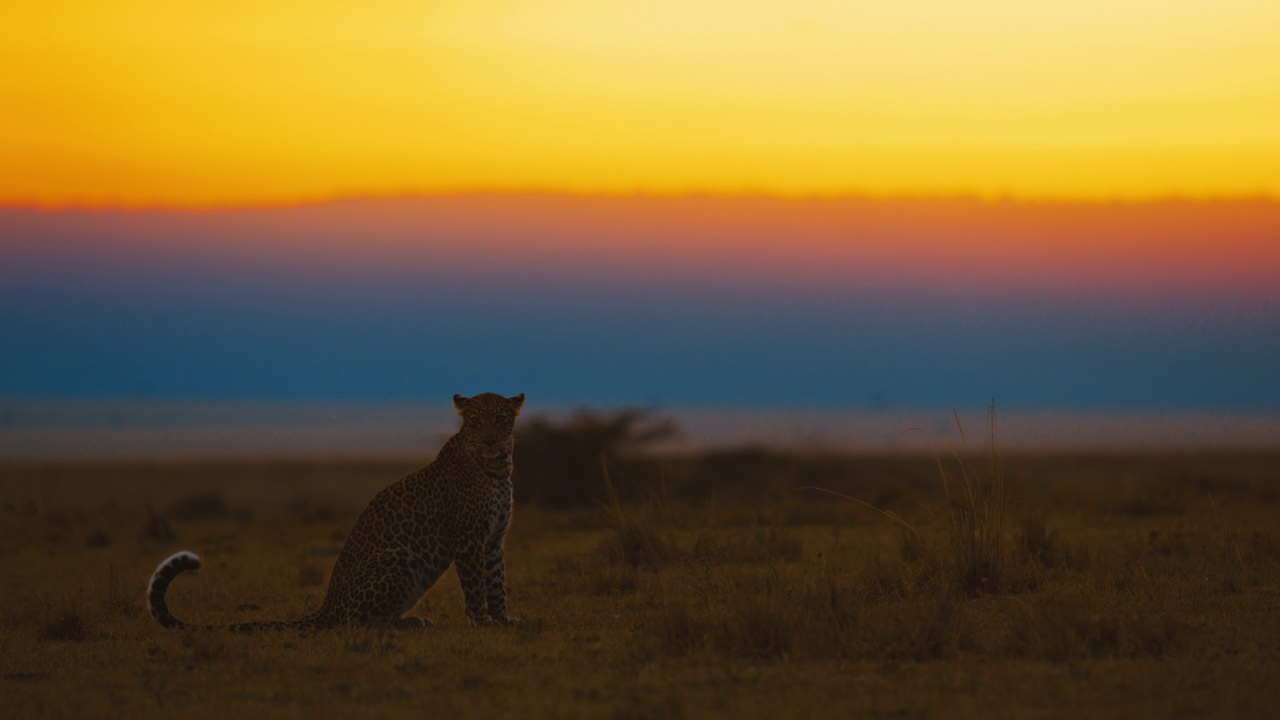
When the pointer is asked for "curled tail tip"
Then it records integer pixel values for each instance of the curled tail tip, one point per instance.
(172, 566)
(181, 560)
(166, 571)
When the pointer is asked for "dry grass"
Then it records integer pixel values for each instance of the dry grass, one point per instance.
(976, 512)
(1036, 589)
(635, 537)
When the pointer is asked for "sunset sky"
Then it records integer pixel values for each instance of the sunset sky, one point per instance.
(149, 102)
(850, 204)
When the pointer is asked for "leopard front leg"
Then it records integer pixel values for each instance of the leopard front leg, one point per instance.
(471, 572)
(496, 583)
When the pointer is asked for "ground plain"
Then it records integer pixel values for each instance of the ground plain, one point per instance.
(1141, 584)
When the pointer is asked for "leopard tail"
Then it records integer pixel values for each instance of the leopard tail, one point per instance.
(169, 568)
(178, 563)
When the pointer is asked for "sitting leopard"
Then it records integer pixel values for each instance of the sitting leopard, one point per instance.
(454, 510)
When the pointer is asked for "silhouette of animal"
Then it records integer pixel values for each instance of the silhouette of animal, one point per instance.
(456, 510)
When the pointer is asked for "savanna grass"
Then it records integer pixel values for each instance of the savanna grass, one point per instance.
(742, 611)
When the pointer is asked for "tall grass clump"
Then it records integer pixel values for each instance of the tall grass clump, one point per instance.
(634, 539)
(968, 556)
(976, 510)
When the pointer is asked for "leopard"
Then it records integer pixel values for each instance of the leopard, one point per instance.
(454, 511)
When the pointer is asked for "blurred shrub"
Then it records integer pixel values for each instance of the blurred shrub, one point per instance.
(206, 506)
(750, 475)
(199, 506)
(559, 463)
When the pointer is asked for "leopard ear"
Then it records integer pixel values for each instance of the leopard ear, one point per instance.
(459, 402)
(517, 402)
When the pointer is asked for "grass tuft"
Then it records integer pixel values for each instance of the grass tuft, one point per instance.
(65, 622)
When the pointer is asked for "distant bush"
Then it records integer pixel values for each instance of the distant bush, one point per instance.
(559, 463)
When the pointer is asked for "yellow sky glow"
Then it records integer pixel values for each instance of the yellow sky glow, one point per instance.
(202, 103)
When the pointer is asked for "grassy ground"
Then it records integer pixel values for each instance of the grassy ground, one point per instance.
(1063, 586)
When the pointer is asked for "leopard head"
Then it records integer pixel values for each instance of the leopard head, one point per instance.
(488, 424)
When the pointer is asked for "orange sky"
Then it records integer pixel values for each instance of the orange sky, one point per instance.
(155, 103)
(1163, 252)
